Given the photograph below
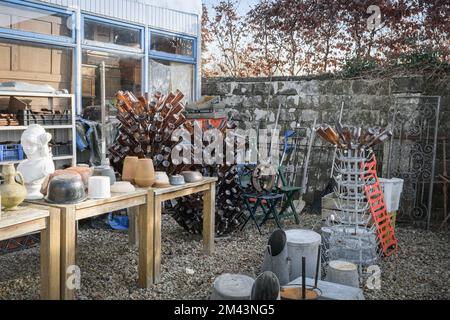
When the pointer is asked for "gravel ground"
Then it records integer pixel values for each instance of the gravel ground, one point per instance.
(421, 270)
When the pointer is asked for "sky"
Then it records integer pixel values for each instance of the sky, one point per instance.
(243, 6)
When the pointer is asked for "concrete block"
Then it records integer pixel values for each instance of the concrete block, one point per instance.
(263, 89)
(370, 87)
(243, 89)
(408, 84)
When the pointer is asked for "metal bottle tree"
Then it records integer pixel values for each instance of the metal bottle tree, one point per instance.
(354, 235)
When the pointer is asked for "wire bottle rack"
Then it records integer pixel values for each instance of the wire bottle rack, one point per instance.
(351, 235)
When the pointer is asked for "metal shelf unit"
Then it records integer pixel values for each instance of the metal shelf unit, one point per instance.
(70, 128)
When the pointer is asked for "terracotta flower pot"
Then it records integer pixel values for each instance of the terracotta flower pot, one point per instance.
(129, 169)
(145, 173)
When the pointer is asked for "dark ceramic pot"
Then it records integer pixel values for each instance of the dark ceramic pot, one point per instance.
(192, 176)
(67, 188)
(105, 171)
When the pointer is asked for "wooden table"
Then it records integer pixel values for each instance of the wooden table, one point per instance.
(148, 202)
(151, 270)
(70, 214)
(29, 220)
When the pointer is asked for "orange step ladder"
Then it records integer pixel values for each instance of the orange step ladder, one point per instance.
(375, 197)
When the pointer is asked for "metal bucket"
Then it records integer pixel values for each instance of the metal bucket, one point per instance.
(303, 243)
(276, 256)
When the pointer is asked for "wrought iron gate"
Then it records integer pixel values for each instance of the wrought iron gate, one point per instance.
(412, 153)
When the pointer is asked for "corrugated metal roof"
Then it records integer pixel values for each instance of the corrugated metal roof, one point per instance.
(161, 17)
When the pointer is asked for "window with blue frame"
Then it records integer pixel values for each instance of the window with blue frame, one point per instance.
(123, 72)
(30, 62)
(172, 44)
(168, 76)
(35, 19)
(172, 64)
(120, 46)
(111, 33)
(36, 44)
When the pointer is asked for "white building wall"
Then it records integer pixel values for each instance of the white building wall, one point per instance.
(181, 16)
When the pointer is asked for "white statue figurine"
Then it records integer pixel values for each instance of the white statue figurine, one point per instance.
(40, 161)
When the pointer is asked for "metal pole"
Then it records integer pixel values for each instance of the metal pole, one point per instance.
(430, 196)
(308, 154)
(335, 148)
(78, 61)
(103, 109)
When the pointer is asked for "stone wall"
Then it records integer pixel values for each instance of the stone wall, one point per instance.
(254, 102)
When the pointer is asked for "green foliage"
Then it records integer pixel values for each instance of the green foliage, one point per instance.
(355, 66)
(420, 57)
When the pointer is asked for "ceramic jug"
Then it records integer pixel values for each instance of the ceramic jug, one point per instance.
(129, 168)
(145, 173)
(13, 193)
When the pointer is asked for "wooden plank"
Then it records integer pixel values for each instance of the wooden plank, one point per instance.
(21, 229)
(109, 207)
(50, 257)
(184, 192)
(94, 202)
(67, 250)
(35, 94)
(133, 225)
(205, 181)
(114, 198)
(157, 240)
(209, 213)
(24, 214)
(146, 226)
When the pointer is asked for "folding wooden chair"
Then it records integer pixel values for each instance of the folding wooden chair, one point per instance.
(288, 192)
(253, 200)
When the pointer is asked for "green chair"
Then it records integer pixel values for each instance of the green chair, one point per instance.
(253, 200)
(288, 192)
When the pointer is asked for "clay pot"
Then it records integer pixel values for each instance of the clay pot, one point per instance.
(105, 171)
(122, 187)
(67, 188)
(12, 193)
(145, 173)
(177, 180)
(192, 176)
(129, 168)
(84, 172)
(162, 180)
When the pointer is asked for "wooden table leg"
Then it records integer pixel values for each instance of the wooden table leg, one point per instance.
(146, 225)
(133, 226)
(209, 212)
(50, 257)
(157, 241)
(68, 234)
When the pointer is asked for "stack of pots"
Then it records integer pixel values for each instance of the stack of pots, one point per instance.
(139, 171)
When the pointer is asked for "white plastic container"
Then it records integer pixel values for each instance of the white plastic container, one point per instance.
(392, 190)
(99, 187)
